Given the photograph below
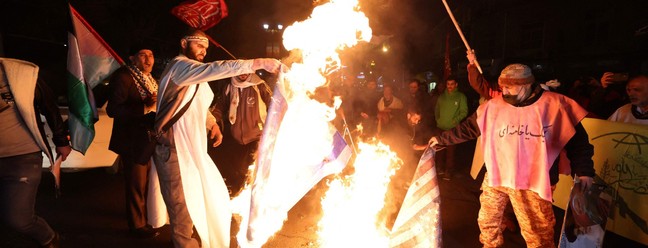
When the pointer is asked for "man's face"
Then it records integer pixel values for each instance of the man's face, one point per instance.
(451, 85)
(371, 85)
(413, 118)
(195, 49)
(514, 93)
(413, 87)
(637, 90)
(243, 77)
(143, 60)
(388, 93)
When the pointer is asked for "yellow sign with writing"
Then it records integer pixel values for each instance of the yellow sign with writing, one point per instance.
(621, 163)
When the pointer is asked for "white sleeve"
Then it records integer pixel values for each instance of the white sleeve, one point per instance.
(188, 71)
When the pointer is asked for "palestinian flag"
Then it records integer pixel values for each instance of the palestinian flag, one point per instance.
(90, 61)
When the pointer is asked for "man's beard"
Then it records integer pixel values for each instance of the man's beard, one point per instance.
(187, 52)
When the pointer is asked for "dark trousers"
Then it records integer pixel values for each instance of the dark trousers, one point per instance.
(445, 159)
(19, 179)
(136, 187)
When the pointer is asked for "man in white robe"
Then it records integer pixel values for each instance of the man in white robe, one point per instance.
(192, 187)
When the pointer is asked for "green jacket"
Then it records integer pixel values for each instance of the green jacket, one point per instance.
(450, 109)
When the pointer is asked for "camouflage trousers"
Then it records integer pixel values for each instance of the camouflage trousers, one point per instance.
(534, 214)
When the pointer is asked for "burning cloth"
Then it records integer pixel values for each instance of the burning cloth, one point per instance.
(298, 148)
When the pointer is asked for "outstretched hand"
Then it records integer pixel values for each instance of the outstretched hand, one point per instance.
(433, 142)
(270, 65)
(607, 79)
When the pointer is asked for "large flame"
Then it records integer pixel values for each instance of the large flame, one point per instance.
(305, 135)
(332, 26)
(352, 204)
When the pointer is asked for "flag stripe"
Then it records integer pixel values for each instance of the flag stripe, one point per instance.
(90, 61)
(408, 235)
(418, 223)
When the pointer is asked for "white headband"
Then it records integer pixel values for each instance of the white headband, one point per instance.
(195, 38)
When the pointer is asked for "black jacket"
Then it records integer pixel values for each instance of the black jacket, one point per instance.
(126, 106)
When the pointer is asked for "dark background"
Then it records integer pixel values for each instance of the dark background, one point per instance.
(558, 39)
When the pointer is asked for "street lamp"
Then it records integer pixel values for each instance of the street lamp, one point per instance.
(273, 40)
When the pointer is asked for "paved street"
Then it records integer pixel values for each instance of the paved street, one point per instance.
(90, 214)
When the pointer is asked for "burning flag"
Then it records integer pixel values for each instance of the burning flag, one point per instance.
(299, 145)
(418, 223)
(292, 159)
(90, 61)
(201, 14)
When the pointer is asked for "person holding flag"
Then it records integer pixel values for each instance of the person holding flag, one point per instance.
(192, 187)
(523, 131)
(23, 142)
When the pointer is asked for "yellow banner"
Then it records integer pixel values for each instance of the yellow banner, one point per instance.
(621, 162)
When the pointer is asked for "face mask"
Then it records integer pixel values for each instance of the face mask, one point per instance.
(517, 98)
(511, 99)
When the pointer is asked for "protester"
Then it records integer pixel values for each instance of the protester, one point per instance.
(367, 108)
(192, 187)
(23, 142)
(133, 94)
(486, 90)
(637, 110)
(416, 97)
(450, 109)
(523, 131)
(242, 110)
(390, 111)
(599, 98)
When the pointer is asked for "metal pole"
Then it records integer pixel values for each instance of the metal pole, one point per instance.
(460, 33)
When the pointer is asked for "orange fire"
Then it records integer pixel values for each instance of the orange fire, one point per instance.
(306, 134)
(352, 204)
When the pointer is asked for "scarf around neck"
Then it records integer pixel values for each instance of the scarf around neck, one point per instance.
(146, 84)
(234, 88)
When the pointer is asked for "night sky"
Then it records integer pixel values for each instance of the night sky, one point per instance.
(35, 30)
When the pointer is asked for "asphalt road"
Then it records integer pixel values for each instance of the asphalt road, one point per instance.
(90, 213)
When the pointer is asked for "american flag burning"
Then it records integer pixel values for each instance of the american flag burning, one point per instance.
(300, 146)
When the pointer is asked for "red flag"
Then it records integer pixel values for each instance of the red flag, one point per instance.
(418, 223)
(201, 14)
(447, 70)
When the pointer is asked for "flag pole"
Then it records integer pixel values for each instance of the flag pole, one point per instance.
(460, 33)
(219, 45)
